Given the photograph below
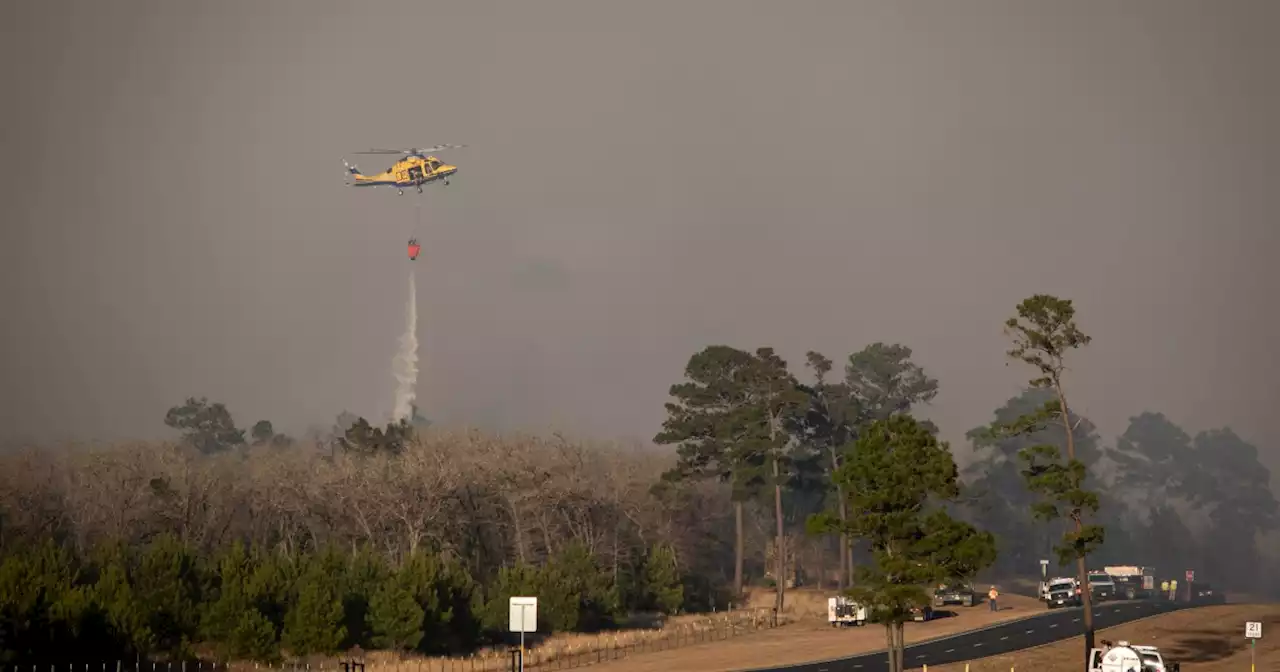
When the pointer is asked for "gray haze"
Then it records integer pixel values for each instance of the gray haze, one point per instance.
(643, 179)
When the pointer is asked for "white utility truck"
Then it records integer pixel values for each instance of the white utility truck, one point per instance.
(842, 612)
(1126, 657)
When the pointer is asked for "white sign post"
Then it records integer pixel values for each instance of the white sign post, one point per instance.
(1253, 631)
(524, 618)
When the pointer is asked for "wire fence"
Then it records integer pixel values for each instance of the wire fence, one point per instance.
(578, 652)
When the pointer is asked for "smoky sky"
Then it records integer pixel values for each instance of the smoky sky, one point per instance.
(642, 179)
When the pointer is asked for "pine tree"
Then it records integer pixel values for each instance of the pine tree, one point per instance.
(1043, 333)
(313, 623)
(126, 615)
(167, 579)
(233, 619)
(395, 617)
(662, 585)
(895, 482)
(253, 636)
(511, 581)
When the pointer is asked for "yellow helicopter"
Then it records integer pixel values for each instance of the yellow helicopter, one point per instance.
(417, 168)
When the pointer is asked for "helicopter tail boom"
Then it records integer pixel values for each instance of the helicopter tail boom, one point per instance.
(355, 178)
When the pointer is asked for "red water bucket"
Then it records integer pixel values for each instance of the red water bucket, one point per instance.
(414, 249)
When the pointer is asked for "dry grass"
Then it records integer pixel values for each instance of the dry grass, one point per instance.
(564, 651)
(1207, 639)
(710, 643)
(800, 604)
(812, 639)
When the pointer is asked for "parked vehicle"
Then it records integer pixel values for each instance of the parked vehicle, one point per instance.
(924, 613)
(843, 612)
(1132, 582)
(1126, 657)
(958, 594)
(1203, 593)
(1101, 587)
(1063, 592)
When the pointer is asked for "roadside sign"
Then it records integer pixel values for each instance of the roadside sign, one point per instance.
(524, 614)
(1191, 575)
(524, 618)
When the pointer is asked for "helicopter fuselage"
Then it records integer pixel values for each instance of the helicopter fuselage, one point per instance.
(411, 172)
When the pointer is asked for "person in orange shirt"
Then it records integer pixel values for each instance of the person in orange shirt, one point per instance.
(991, 598)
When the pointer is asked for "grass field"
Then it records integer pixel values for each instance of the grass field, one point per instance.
(810, 638)
(1207, 639)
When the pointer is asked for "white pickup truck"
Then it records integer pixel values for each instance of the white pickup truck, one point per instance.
(1062, 592)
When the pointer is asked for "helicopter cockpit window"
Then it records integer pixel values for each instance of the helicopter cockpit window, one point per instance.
(432, 165)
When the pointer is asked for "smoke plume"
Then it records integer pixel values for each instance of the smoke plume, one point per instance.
(405, 363)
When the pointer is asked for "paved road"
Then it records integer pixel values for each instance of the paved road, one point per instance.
(1045, 628)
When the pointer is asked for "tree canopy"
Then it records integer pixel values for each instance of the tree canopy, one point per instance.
(895, 479)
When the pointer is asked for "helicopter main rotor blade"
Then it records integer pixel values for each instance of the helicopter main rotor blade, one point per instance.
(437, 148)
(411, 150)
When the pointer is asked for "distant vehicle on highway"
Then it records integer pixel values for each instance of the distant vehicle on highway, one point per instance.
(961, 593)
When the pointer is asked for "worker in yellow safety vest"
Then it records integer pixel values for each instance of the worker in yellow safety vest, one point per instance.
(1173, 590)
(1164, 589)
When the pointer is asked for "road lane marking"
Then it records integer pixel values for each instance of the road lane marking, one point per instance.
(977, 645)
(1075, 620)
(1053, 625)
(1028, 632)
(948, 650)
(1003, 638)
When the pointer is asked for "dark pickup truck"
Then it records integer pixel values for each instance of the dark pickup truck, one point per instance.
(959, 594)
(1130, 588)
(1203, 593)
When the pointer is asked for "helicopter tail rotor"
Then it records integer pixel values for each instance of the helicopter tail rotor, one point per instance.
(350, 172)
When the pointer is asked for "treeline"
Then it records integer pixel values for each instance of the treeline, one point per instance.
(294, 548)
(1167, 499)
(249, 543)
(167, 601)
